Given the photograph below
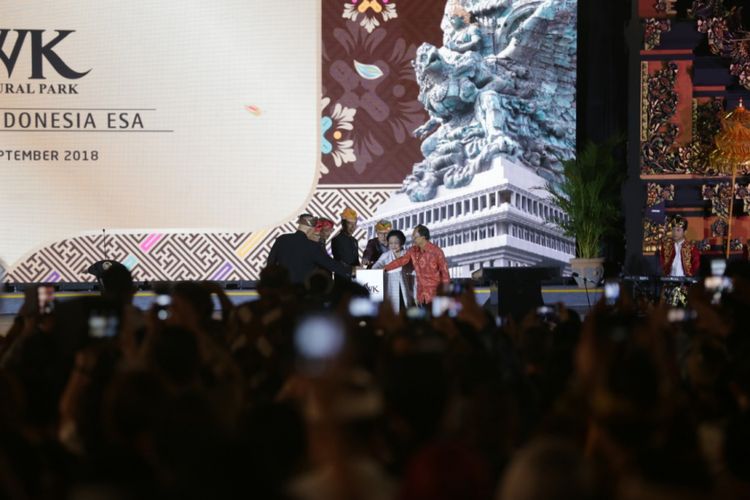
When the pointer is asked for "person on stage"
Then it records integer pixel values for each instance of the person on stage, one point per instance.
(377, 246)
(399, 283)
(344, 246)
(324, 228)
(301, 256)
(429, 264)
(678, 258)
(688, 263)
(305, 224)
(314, 234)
(320, 232)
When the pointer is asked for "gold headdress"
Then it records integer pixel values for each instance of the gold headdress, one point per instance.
(383, 225)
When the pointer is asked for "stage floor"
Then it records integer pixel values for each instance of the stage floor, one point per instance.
(573, 297)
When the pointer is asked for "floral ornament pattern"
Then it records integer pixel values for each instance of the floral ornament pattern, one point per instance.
(659, 152)
(338, 122)
(657, 193)
(719, 228)
(375, 84)
(653, 234)
(653, 28)
(372, 12)
(707, 123)
(665, 6)
(703, 245)
(660, 107)
(726, 35)
(743, 193)
(718, 195)
(735, 245)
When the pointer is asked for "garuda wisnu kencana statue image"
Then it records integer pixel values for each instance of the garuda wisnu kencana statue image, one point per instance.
(503, 83)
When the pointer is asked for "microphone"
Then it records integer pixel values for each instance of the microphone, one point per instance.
(585, 281)
(104, 238)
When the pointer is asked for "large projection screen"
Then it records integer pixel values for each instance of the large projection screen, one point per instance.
(172, 116)
(182, 138)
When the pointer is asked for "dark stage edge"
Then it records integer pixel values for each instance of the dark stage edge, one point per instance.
(572, 296)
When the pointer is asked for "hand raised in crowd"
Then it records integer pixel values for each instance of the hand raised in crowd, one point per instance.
(471, 312)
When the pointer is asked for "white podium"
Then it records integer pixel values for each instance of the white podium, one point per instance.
(372, 279)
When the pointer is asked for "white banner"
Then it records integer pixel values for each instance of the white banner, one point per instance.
(174, 115)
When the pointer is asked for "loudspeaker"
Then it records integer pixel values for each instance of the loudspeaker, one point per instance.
(517, 290)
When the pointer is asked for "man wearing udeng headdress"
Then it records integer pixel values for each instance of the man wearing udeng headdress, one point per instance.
(322, 231)
(300, 255)
(344, 245)
(378, 245)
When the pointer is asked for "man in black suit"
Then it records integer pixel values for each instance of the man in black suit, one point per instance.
(302, 256)
(305, 224)
(344, 246)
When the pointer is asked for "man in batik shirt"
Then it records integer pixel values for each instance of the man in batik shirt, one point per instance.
(429, 264)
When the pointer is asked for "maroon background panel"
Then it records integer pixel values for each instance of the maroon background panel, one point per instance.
(377, 146)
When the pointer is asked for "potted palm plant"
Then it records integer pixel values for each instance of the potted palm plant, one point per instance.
(589, 194)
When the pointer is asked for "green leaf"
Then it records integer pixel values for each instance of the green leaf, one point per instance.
(589, 194)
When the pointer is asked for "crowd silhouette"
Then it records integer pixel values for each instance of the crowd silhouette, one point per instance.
(292, 396)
